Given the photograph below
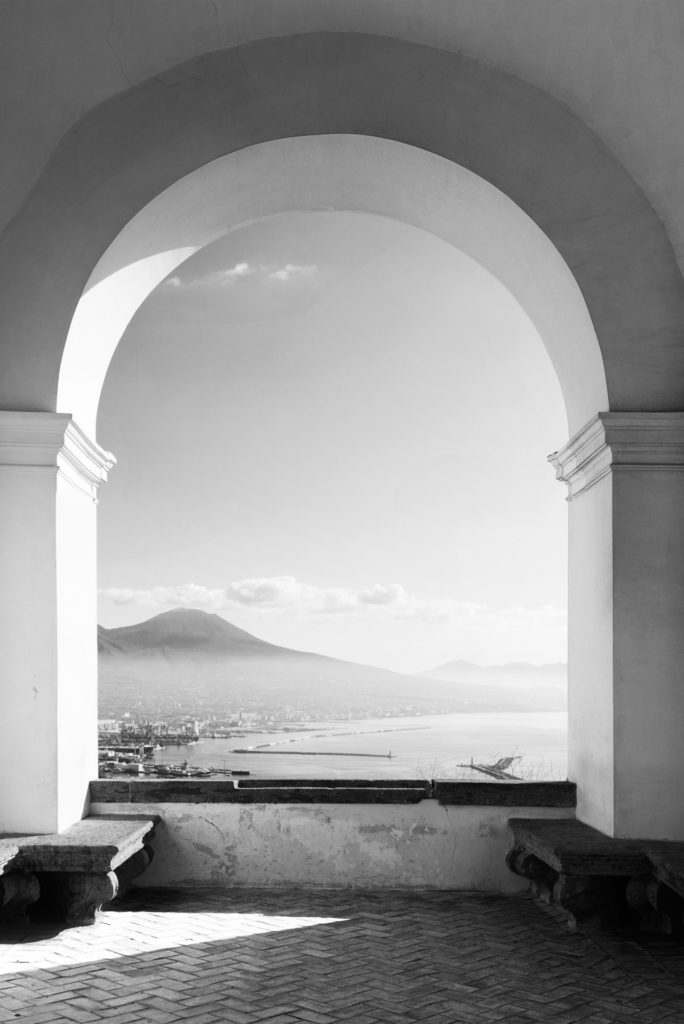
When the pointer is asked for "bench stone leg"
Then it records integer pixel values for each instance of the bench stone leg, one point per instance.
(585, 896)
(133, 867)
(85, 895)
(18, 891)
(660, 909)
(542, 877)
(75, 897)
(579, 896)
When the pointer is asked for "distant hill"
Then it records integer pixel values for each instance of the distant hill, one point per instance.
(184, 632)
(515, 674)
(191, 662)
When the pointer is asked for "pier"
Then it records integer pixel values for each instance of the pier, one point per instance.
(311, 753)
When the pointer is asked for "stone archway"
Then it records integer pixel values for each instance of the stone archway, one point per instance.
(607, 298)
(333, 172)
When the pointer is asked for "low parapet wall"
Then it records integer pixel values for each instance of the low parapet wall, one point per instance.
(363, 833)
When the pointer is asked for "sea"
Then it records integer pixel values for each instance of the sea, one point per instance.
(427, 746)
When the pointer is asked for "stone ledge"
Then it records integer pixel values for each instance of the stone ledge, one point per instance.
(505, 794)
(257, 783)
(195, 791)
(311, 791)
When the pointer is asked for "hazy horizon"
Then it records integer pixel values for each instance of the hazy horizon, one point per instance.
(332, 430)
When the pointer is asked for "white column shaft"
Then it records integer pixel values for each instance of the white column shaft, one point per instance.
(625, 473)
(49, 473)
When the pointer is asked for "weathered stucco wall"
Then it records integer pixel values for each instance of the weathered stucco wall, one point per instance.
(361, 844)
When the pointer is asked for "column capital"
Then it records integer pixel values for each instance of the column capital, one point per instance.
(52, 440)
(620, 441)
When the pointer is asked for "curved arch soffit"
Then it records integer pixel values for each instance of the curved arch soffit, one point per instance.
(333, 172)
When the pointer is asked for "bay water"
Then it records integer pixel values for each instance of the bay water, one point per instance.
(428, 746)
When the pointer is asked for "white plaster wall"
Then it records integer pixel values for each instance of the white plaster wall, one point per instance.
(648, 510)
(48, 696)
(76, 682)
(364, 845)
(28, 646)
(590, 654)
(626, 652)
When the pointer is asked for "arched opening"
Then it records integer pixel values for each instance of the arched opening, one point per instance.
(324, 173)
(355, 419)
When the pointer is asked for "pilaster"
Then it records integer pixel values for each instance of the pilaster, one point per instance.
(625, 477)
(49, 475)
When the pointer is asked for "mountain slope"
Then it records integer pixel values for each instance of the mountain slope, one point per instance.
(183, 631)
(190, 662)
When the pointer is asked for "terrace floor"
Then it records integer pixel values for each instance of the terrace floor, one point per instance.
(321, 957)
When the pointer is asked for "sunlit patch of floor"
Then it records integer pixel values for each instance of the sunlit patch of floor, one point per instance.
(126, 933)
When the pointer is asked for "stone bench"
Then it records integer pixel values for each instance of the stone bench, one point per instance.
(659, 895)
(71, 874)
(586, 873)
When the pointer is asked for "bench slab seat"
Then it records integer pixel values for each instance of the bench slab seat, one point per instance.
(573, 848)
(623, 881)
(71, 874)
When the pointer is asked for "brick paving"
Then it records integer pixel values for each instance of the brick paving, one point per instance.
(322, 957)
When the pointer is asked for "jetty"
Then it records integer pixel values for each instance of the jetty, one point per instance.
(310, 753)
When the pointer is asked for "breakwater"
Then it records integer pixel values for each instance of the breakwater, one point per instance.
(308, 753)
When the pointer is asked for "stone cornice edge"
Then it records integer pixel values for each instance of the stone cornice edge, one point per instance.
(620, 441)
(52, 440)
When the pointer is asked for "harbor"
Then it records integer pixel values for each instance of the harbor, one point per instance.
(139, 759)
(431, 746)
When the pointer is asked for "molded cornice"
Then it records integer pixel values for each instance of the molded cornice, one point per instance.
(620, 441)
(48, 440)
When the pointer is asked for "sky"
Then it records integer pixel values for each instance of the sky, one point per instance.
(332, 429)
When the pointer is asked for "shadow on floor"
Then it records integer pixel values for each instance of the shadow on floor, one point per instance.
(320, 957)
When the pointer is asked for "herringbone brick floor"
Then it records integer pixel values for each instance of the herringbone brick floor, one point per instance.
(322, 957)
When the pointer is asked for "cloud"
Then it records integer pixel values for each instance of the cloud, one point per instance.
(381, 602)
(291, 270)
(383, 594)
(220, 279)
(180, 596)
